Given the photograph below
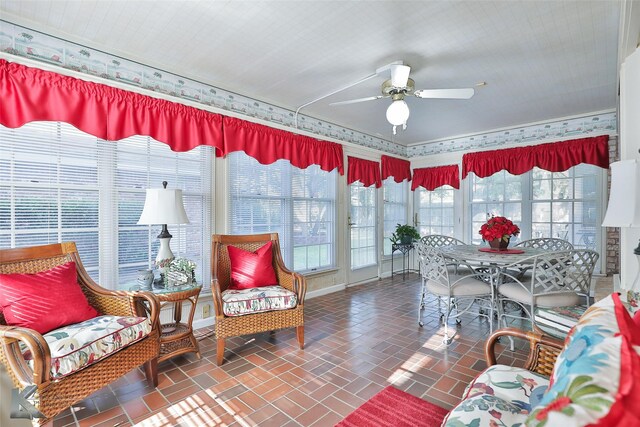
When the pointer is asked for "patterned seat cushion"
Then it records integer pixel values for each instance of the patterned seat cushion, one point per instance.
(237, 302)
(79, 345)
(501, 395)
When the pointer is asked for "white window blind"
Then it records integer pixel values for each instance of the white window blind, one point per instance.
(395, 209)
(298, 204)
(59, 184)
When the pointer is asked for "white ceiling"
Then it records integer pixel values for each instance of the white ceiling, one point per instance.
(541, 59)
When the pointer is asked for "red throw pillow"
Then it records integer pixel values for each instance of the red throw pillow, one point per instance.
(252, 269)
(44, 301)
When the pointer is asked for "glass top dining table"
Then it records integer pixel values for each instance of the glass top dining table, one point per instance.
(472, 254)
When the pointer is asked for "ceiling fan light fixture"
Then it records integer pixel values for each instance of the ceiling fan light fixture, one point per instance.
(398, 112)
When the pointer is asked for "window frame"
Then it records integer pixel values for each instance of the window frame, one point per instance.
(288, 202)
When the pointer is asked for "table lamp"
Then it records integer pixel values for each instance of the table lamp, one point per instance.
(624, 203)
(163, 206)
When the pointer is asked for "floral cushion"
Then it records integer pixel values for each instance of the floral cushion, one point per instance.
(79, 345)
(501, 395)
(236, 302)
(587, 380)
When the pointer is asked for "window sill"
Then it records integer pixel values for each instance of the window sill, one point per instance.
(314, 273)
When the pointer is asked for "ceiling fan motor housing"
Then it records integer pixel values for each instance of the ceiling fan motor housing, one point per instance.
(390, 90)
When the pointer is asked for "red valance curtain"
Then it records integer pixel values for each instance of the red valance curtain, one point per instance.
(553, 157)
(365, 171)
(432, 178)
(267, 145)
(180, 126)
(399, 169)
(30, 94)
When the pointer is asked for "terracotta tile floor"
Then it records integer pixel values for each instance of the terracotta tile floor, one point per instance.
(357, 342)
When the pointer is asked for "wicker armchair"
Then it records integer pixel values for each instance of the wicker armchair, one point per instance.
(226, 326)
(55, 395)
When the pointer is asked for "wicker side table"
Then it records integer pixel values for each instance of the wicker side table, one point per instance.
(177, 337)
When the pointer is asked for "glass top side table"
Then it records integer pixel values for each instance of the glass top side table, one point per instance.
(176, 337)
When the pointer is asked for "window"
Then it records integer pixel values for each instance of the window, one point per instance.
(565, 205)
(298, 204)
(435, 211)
(59, 184)
(497, 195)
(395, 209)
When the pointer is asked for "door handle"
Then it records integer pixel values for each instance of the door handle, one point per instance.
(349, 223)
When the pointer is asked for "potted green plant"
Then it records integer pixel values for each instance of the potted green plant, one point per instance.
(404, 234)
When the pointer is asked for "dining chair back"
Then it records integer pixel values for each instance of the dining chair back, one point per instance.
(546, 243)
(557, 279)
(438, 240)
(453, 289)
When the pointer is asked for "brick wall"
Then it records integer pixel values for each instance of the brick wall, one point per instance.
(613, 234)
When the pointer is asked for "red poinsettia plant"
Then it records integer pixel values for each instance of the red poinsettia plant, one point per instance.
(498, 227)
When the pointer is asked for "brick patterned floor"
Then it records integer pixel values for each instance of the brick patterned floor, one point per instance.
(357, 342)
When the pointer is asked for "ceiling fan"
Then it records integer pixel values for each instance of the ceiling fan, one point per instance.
(398, 87)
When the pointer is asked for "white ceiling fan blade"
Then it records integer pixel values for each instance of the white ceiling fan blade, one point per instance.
(465, 93)
(399, 75)
(353, 101)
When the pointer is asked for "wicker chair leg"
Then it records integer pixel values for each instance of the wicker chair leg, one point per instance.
(151, 370)
(220, 352)
(300, 334)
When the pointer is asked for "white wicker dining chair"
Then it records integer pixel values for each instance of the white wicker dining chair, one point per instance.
(557, 279)
(454, 289)
(438, 240)
(546, 243)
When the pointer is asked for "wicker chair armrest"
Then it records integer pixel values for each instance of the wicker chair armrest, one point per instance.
(152, 311)
(10, 339)
(543, 349)
(295, 282)
(217, 297)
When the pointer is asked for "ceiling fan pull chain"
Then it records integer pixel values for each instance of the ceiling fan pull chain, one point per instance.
(394, 129)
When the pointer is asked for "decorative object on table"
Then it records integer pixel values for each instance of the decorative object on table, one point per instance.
(144, 279)
(395, 407)
(181, 272)
(163, 206)
(404, 235)
(498, 231)
(624, 208)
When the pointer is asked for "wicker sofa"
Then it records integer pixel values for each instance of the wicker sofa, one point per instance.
(591, 379)
(62, 367)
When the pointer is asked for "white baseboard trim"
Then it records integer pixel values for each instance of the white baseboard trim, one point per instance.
(204, 323)
(325, 291)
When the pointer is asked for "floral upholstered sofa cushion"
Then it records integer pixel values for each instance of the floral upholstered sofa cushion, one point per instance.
(79, 345)
(500, 396)
(236, 302)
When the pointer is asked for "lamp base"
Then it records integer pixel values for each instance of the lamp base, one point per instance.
(165, 256)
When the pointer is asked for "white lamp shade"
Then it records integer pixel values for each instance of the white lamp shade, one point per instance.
(624, 197)
(398, 112)
(163, 206)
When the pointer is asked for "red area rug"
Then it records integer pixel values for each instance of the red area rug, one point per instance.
(393, 407)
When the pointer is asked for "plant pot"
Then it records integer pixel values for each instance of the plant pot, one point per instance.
(499, 244)
(405, 240)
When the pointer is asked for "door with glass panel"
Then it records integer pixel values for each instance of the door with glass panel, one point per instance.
(362, 222)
